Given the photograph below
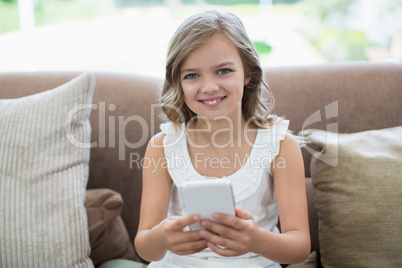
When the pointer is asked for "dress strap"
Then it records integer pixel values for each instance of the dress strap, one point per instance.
(282, 127)
(258, 166)
(175, 148)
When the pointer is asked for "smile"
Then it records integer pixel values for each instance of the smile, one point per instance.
(212, 102)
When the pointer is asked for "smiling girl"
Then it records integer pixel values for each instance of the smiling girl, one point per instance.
(213, 97)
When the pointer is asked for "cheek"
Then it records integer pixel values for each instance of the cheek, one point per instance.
(190, 95)
(237, 89)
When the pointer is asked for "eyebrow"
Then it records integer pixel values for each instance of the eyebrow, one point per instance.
(224, 64)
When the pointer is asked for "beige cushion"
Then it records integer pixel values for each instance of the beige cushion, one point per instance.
(107, 233)
(43, 176)
(358, 195)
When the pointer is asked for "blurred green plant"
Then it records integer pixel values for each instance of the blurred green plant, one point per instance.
(284, 1)
(230, 2)
(9, 21)
(392, 6)
(262, 47)
(341, 45)
(321, 10)
(329, 32)
(49, 12)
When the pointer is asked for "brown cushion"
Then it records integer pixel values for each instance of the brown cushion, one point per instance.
(108, 235)
(357, 192)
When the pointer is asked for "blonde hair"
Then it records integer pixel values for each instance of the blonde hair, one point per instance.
(195, 31)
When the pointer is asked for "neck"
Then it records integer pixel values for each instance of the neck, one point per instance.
(220, 131)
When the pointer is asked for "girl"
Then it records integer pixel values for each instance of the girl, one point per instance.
(220, 127)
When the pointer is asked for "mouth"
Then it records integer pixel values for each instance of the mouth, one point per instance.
(212, 102)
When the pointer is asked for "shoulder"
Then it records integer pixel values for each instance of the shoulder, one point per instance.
(290, 141)
(289, 146)
(278, 129)
(289, 151)
(155, 145)
(154, 159)
(157, 138)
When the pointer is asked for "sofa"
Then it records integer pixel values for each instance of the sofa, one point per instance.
(352, 220)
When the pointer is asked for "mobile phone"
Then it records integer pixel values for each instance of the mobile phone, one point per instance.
(206, 197)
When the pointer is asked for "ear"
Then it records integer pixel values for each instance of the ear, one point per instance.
(247, 80)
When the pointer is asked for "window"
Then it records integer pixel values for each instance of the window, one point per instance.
(132, 35)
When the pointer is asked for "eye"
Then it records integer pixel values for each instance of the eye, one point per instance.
(224, 71)
(190, 76)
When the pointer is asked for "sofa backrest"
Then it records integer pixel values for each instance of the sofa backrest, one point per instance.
(352, 97)
(128, 103)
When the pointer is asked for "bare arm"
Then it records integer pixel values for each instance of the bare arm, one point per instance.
(156, 233)
(293, 244)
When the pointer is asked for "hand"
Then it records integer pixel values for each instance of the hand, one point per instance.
(233, 236)
(178, 241)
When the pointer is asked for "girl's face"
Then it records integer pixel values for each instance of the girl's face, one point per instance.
(212, 78)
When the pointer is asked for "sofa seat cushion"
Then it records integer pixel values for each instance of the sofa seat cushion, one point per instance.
(357, 191)
(44, 162)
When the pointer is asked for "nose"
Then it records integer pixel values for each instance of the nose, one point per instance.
(209, 85)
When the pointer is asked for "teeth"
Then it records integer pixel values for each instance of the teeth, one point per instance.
(212, 102)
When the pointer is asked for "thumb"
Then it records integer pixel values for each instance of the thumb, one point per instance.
(243, 214)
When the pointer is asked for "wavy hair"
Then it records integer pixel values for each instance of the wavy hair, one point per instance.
(193, 32)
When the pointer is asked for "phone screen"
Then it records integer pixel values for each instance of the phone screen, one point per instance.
(206, 197)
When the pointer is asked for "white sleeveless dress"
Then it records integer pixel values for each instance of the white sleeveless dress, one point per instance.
(252, 187)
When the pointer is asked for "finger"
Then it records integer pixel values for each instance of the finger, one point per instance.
(185, 242)
(184, 221)
(191, 236)
(226, 219)
(218, 228)
(185, 237)
(223, 218)
(226, 252)
(191, 247)
(243, 214)
(217, 239)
